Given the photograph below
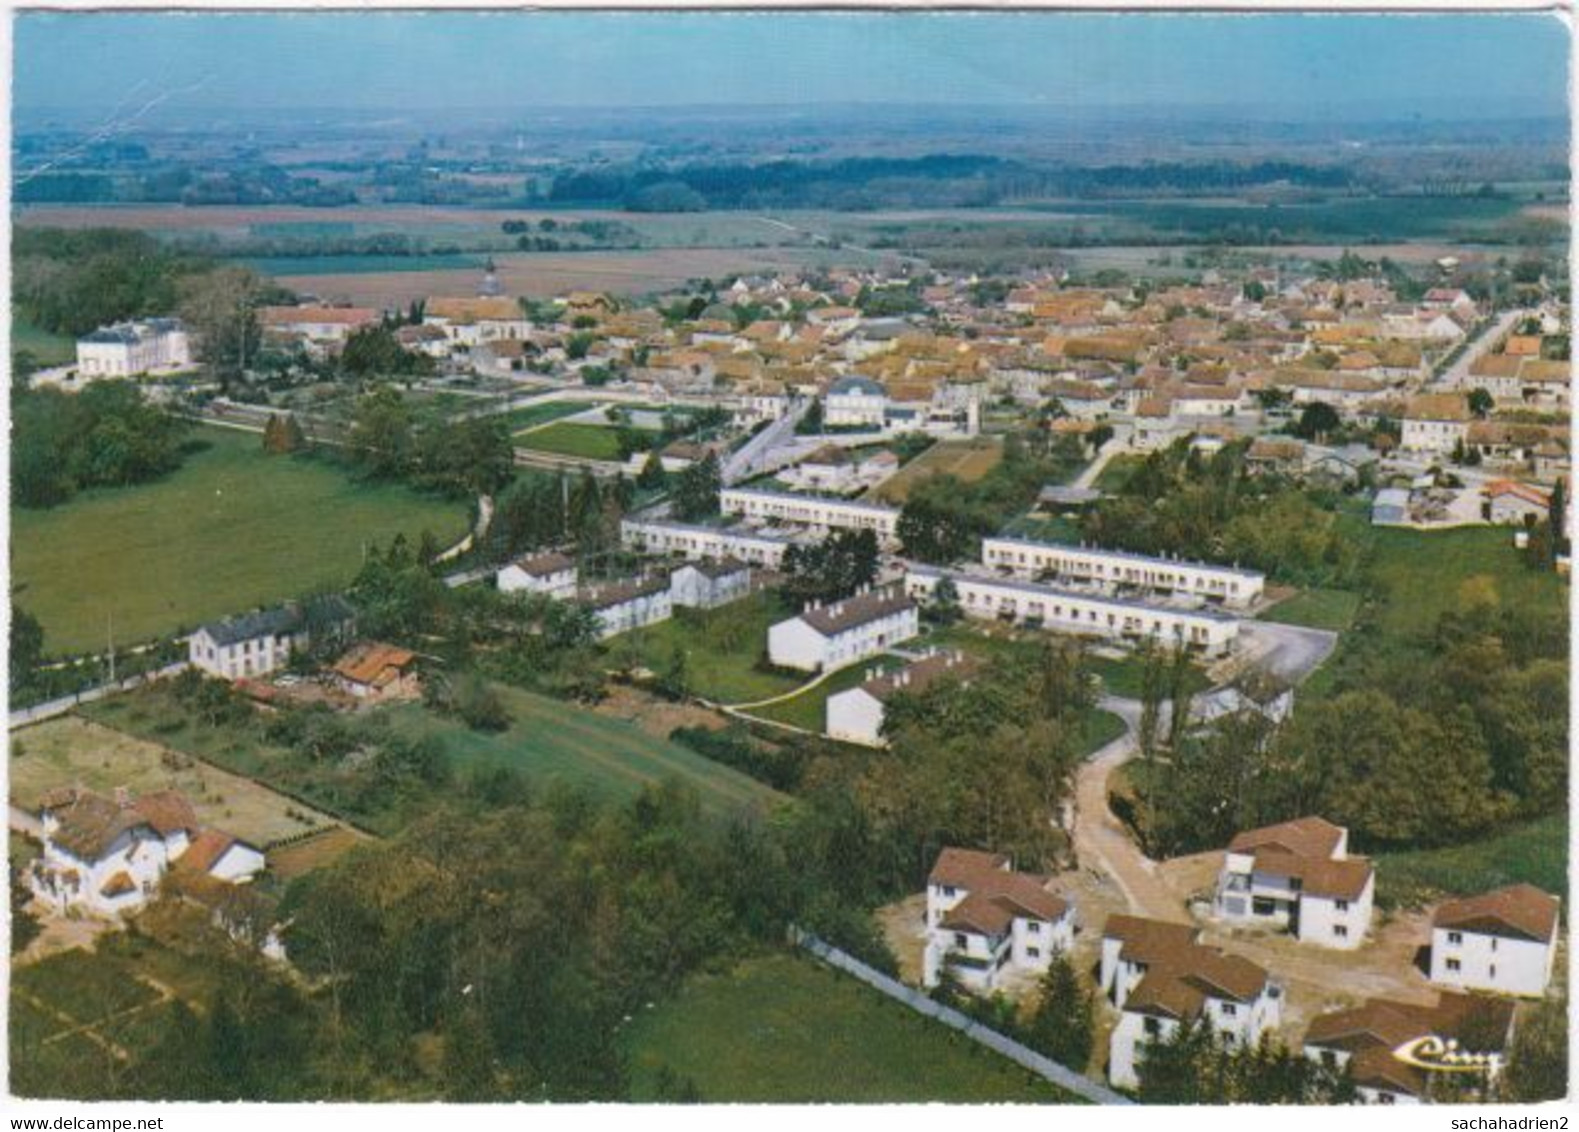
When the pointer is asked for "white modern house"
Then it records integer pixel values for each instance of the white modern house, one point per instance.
(623, 606)
(697, 542)
(255, 644)
(833, 634)
(859, 714)
(1298, 876)
(709, 584)
(550, 573)
(1504, 941)
(1160, 978)
(1211, 632)
(817, 512)
(855, 402)
(106, 856)
(126, 349)
(1392, 1050)
(987, 924)
(1118, 569)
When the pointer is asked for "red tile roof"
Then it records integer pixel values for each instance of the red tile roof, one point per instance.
(1520, 911)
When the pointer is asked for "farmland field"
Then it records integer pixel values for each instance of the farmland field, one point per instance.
(969, 460)
(230, 530)
(783, 1029)
(566, 438)
(304, 265)
(70, 751)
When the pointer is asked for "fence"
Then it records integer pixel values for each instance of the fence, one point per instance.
(1060, 1075)
(40, 712)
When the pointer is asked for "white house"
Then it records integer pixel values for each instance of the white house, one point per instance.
(1508, 501)
(1392, 1050)
(986, 923)
(855, 402)
(1435, 424)
(624, 606)
(1503, 941)
(549, 573)
(697, 542)
(1119, 620)
(813, 511)
(834, 634)
(255, 644)
(709, 584)
(1160, 978)
(319, 325)
(858, 714)
(468, 322)
(1298, 876)
(1118, 569)
(222, 856)
(107, 856)
(129, 348)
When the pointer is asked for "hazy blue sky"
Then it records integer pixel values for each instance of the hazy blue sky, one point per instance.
(1445, 66)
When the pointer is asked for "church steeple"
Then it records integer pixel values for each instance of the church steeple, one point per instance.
(490, 286)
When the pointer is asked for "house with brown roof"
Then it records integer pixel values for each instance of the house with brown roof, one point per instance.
(987, 923)
(373, 670)
(829, 635)
(709, 583)
(1395, 1052)
(1161, 978)
(1297, 876)
(1503, 941)
(1435, 424)
(857, 715)
(107, 856)
(620, 607)
(546, 572)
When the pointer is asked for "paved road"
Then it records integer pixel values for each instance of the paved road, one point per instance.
(1289, 652)
(1117, 443)
(1457, 374)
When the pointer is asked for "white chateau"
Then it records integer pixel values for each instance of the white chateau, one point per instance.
(1503, 941)
(1298, 876)
(127, 349)
(986, 923)
(1120, 570)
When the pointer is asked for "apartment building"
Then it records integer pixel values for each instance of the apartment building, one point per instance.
(833, 634)
(859, 714)
(1046, 561)
(812, 511)
(1298, 876)
(696, 542)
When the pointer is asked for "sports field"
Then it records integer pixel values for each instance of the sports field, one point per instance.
(232, 529)
(967, 460)
(569, 438)
(782, 1029)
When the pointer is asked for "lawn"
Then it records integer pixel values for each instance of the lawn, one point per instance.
(808, 710)
(1317, 609)
(786, 1030)
(530, 416)
(1535, 852)
(47, 349)
(1124, 677)
(572, 438)
(553, 741)
(724, 649)
(232, 529)
(1117, 472)
(69, 750)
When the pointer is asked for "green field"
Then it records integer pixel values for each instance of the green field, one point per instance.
(356, 264)
(1535, 852)
(47, 349)
(1116, 472)
(724, 649)
(230, 530)
(786, 1030)
(569, 438)
(552, 741)
(529, 416)
(1317, 609)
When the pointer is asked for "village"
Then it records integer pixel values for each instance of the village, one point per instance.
(800, 510)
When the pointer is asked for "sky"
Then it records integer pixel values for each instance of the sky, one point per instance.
(1303, 67)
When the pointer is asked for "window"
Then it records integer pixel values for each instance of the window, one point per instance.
(948, 890)
(1493, 943)
(1033, 952)
(1229, 1010)
(1455, 938)
(1340, 930)
(961, 940)
(1295, 884)
(1452, 964)
(1262, 906)
(1033, 926)
(1341, 905)
(1152, 1027)
(1493, 971)
(1385, 1098)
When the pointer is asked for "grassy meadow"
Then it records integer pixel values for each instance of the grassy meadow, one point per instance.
(230, 530)
(782, 1029)
(724, 649)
